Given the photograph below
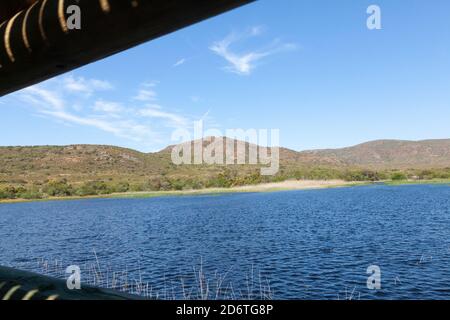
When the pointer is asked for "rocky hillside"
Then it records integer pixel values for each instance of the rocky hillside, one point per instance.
(390, 154)
(80, 163)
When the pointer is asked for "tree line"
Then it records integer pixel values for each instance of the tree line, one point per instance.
(226, 179)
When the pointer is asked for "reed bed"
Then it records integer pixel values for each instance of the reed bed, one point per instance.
(198, 285)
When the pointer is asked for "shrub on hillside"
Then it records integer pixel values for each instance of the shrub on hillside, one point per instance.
(92, 188)
(362, 175)
(58, 189)
(122, 187)
(8, 193)
(31, 195)
(398, 176)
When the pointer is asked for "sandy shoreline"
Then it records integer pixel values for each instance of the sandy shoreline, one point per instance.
(295, 185)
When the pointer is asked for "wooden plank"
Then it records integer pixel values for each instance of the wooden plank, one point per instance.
(8, 8)
(37, 46)
(23, 285)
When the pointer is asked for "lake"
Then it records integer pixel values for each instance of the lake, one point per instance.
(312, 244)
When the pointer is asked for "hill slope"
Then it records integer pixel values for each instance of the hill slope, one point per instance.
(78, 164)
(391, 154)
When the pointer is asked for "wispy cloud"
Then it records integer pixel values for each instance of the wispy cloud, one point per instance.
(48, 103)
(59, 101)
(107, 107)
(43, 98)
(146, 93)
(153, 111)
(86, 86)
(195, 99)
(244, 63)
(179, 62)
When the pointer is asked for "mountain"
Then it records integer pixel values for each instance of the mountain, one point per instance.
(80, 163)
(390, 154)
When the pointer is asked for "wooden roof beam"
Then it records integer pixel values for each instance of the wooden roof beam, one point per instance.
(37, 45)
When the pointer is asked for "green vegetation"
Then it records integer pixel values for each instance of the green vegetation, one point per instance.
(398, 176)
(58, 189)
(225, 179)
(92, 170)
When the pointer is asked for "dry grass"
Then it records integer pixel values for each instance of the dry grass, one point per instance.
(199, 285)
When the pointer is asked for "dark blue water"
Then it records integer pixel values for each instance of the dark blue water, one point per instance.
(296, 245)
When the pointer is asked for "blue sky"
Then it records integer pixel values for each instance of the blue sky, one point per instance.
(309, 68)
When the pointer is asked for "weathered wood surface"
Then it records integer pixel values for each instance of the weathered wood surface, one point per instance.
(23, 285)
(36, 44)
(8, 8)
